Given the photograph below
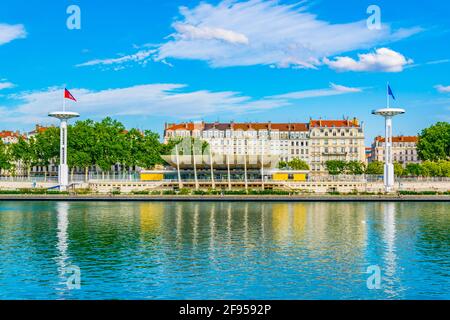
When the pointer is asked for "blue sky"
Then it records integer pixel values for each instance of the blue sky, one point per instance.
(150, 62)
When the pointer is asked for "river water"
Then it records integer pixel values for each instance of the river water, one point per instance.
(223, 250)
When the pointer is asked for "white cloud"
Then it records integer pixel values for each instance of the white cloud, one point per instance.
(382, 60)
(6, 85)
(275, 34)
(438, 61)
(442, 89)
(258, 32)
(9, 32)
(173, 100)
(334, 90)
(139, 57)
(189, 32)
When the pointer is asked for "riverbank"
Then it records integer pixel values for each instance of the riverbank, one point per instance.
(231, 198)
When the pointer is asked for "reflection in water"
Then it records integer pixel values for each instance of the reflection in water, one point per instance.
(389, 238)
(221, 250)
(62, 236)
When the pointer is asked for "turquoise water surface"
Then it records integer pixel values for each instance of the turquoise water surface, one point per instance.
(223, 250)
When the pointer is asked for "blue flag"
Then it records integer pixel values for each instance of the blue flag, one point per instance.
(390, 92)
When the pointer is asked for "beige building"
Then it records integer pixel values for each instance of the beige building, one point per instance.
(314, 142)
(286, 140)
(335, 140)
(404, 149)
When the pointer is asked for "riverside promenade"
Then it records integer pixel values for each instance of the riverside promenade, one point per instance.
(232, 198)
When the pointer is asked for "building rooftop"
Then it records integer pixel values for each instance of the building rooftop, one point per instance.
(400, 139)
(245, 126)
(334, 123)
(6, 134)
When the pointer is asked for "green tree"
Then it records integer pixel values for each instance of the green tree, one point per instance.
(445, 168)
(45, 148)
(335, 167)
(431, 169)
(23, 152)
(375, 167)
(434, 142)
(81, 145)
(398, 169)
(109, 143)
(414, 169)
(282, 165)
(355, 167)
(143, 149)
(5, 157)
(298, 164)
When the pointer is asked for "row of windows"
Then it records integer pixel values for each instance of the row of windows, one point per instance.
(334, 133)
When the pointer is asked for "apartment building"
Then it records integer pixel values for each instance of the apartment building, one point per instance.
(286, 140)
(335, 140)
(314, 142)
(404, 149)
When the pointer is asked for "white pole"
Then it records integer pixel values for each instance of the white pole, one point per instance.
(245, 171)
(195, 168)
(389, 167)
(63, 169)
(262, 164)
(228, 167)
(180, 185)
(213, 183)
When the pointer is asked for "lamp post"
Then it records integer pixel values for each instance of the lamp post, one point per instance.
(63, 170)
(388, 114)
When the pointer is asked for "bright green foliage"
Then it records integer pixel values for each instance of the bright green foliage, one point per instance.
(23, 152)
(81, 140)
(336, 167)
(5, 157)
(398, 169)
(45, 147)
(282, 165)
(434, 142)
(298, 164)
(375, 167)
(413, 169)
(428, 169)
(355, 167)
(294, 164)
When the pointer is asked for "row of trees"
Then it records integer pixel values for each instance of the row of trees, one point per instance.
(425, 169)
(336, 167)
(101, 144)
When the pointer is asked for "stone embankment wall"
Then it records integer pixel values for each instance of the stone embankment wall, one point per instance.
(312, 187)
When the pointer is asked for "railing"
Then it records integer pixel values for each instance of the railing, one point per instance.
(134, 177)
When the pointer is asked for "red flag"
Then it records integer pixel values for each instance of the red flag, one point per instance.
(68, 95)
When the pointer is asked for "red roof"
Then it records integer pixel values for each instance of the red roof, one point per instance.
(181, 126)
(240, 126)
(5, 134)
(414, 139)
(334, 123)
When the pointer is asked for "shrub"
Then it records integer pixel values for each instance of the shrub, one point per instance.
(140, 192)
(184, 191)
